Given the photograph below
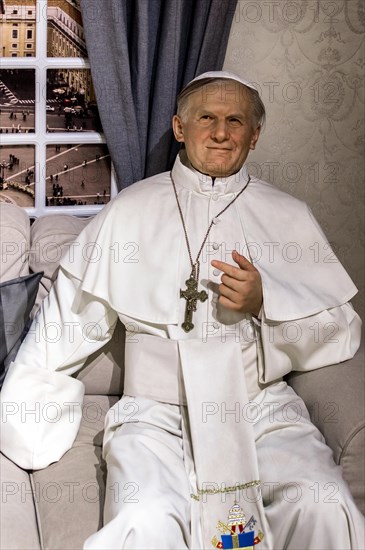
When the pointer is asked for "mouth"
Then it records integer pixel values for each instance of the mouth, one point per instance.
(226, 149)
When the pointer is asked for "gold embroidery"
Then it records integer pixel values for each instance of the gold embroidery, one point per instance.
(241, 533)
(231, 489)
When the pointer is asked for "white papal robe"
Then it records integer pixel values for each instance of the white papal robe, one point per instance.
(205, 410)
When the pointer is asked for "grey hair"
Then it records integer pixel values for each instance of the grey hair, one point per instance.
(183, 103)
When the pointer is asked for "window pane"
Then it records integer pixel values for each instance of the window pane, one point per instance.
(17, 98)
(17, 174)
(71, 105)
(14, 24)
(77, 175)
(65, 30)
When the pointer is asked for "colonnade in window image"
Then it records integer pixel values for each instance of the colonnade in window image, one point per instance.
(76, 175)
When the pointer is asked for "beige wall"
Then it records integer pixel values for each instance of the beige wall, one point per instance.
(308, 59)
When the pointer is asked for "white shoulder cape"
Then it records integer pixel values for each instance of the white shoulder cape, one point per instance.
(129, 254)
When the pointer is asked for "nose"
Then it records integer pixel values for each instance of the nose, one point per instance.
(220, 131)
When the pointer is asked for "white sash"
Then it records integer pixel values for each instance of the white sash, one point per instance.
(209, 377)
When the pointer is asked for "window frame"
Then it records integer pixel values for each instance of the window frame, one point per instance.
(40, 63)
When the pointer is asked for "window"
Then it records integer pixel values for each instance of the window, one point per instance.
(15, 12)
(50, 123)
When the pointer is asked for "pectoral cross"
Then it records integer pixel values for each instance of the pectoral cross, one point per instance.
(191, 296)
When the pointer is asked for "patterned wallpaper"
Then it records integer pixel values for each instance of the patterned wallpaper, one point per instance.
(307, 58)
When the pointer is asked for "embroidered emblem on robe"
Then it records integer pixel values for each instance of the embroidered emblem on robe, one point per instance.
(237, 532)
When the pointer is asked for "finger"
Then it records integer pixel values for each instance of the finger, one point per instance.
(229, 293)
(232, 271)
(229, 269)
(228, 303)
(235, 283)
(242, 261)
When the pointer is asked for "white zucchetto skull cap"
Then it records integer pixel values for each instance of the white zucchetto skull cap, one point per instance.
(220, 74)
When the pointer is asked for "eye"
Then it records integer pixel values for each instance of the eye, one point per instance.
(205, 118)
(235, 121)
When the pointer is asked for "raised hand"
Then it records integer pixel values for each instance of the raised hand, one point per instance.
(241, 287)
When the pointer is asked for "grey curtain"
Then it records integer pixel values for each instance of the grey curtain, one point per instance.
(142, 52)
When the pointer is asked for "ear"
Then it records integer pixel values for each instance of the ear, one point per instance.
(255, 137)
(178, 128)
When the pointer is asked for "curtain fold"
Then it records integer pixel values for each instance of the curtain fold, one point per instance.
(142, 52)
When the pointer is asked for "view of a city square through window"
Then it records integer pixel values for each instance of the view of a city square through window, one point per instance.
(76, 173)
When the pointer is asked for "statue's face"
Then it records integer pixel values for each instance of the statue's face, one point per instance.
(218, 129)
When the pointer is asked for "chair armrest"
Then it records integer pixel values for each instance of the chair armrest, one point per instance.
(335, 398)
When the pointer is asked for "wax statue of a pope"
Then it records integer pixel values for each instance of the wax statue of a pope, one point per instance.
(219, 301)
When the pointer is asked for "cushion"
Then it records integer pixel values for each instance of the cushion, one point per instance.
(16, 301)
(15, 235)
(50, 238)
(72, 490)
(17, 514)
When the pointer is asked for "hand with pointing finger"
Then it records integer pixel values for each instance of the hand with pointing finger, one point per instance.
(241, 287)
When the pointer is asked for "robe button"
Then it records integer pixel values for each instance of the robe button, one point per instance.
(215, 246)
(216, 325)
(216, 272)
(215, 196)
(216, 220)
